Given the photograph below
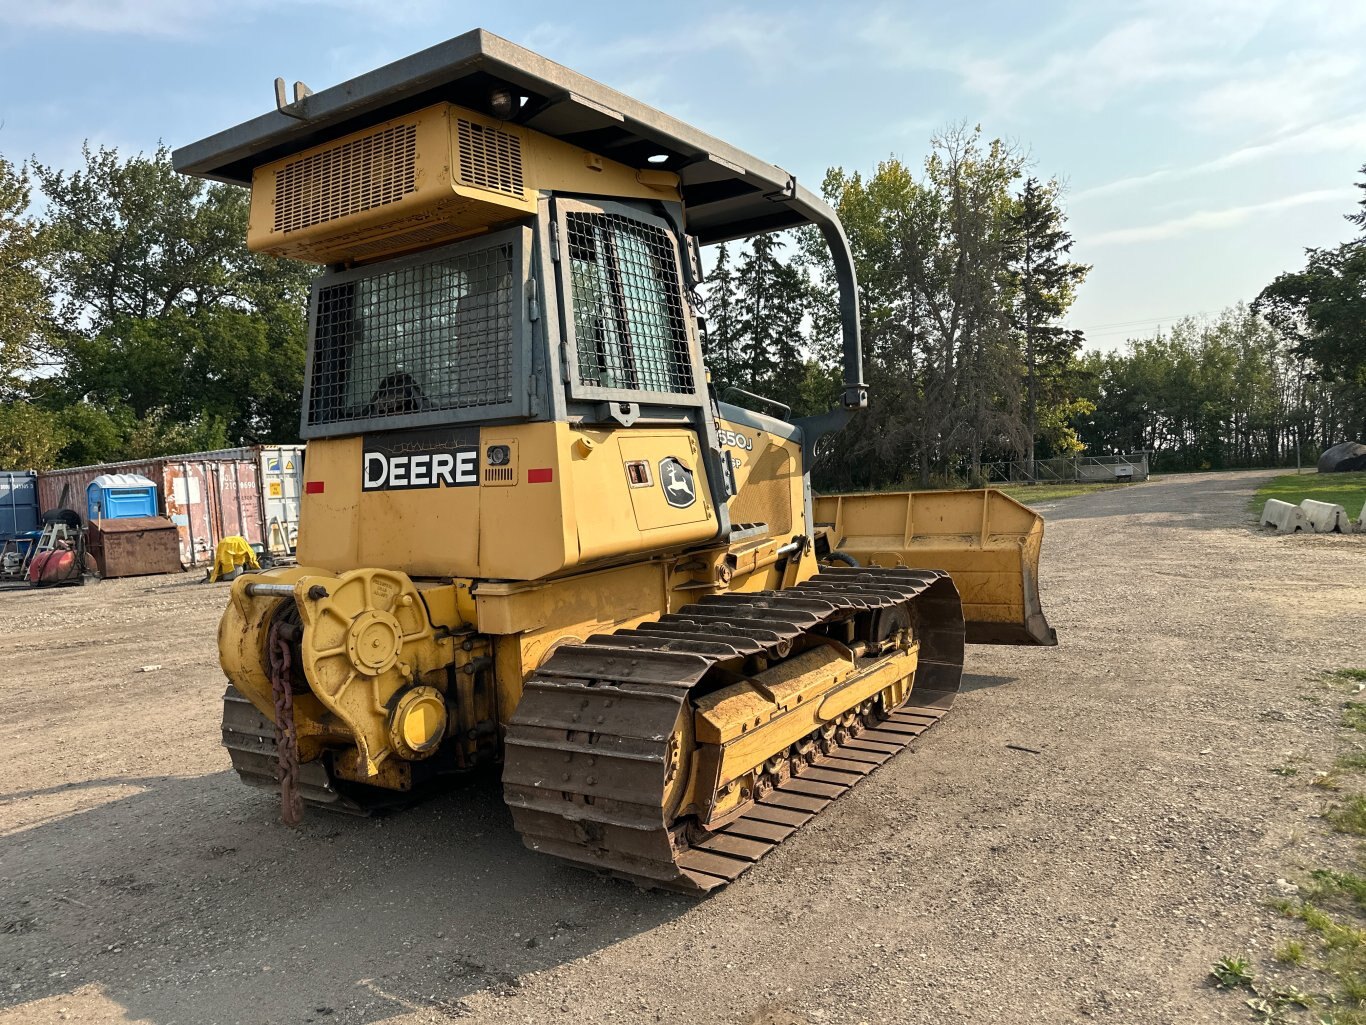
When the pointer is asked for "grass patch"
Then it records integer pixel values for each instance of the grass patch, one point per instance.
(1330, 903)
(1327, 883)
(1356, 761)
(1030, 494)
(1350, 817)
(1291, 952)
(1345, 489)
(1354, 716)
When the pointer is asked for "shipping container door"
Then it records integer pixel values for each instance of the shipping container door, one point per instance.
(18, 501)
(282, 474)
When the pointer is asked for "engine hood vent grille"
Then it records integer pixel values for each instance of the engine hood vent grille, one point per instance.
(361, 174)
(489, 158)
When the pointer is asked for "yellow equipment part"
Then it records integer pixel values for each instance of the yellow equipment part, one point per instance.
(741, 728)
(988, 542)
(374, 664)
(570, 502)
(430, 177)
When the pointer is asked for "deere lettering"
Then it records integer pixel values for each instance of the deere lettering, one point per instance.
(427, 459)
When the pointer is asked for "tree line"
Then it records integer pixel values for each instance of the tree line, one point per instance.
(134, 322)
(966, 279)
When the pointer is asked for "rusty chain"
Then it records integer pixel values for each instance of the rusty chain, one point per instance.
(286, 739)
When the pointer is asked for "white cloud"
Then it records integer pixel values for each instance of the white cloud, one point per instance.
(1295, 89)
(762, 45)
(1213, 220)
(1346, 134)
(122, 17)
(1162, 41)
(177, 18)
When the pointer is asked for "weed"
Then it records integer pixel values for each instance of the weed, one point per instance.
(1354, 715)
(1232, 972)
(1290, 952)
(1327, 882)
(1335, 935)
(1350, 817)
(1286, 770)
(1270, 1006)
(1356, 761)
(1353, 983)
(1325, 780)
(1284, 996)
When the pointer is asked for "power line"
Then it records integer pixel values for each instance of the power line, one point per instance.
(1123, 325)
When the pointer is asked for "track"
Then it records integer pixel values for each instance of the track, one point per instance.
(588, 758)
(250, 739)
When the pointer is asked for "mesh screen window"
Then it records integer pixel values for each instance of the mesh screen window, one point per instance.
(628, 313)
(421, 338)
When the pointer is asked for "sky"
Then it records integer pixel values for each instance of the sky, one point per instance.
(1204, 144)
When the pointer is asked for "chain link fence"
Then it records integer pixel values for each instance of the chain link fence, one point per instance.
(1132, 466)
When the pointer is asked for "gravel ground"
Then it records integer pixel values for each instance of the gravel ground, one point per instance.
(965, 881)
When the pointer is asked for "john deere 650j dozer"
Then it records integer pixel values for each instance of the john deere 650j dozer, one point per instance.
(531, 533)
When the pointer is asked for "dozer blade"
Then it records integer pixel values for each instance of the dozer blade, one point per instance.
(988, 542)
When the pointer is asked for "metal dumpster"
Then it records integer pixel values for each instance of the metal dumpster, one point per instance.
(134, 546)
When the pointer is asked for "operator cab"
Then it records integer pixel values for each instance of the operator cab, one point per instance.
(508, 244)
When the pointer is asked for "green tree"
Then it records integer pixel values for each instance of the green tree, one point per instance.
(1224, 392)
(719, 346)
(1044, 284)
(770, 305)
(94, 434)
(31, 437)
(943, 362)
(25, 297)
(163, 309)
(216, 364)
(1321, 311)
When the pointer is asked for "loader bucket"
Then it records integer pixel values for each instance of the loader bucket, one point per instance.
(988, 542)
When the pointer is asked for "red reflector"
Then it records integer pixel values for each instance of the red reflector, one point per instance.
(544, 476)
(313, 487)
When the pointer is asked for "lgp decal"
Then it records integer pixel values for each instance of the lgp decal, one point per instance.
(677, 482)
(413, 460)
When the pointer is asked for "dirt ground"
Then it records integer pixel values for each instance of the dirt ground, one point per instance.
(964, 881)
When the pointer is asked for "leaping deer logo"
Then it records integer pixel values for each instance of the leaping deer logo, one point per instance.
(678, 488)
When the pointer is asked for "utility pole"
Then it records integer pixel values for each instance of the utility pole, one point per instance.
(1029, 355)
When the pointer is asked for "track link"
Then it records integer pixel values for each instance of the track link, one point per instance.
(587, 757)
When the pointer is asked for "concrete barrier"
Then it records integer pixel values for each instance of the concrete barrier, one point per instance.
(1325, 517)
(1286, 518)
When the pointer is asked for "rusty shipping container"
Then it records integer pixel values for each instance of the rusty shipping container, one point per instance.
(207, 495)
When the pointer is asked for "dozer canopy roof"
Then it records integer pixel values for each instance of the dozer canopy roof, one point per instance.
(727, 193)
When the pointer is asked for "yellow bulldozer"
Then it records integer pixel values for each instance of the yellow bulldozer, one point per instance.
(532, 535)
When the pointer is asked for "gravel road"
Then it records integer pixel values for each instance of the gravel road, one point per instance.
(964, 881)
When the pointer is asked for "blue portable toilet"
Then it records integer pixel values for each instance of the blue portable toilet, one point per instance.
(119, 496)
